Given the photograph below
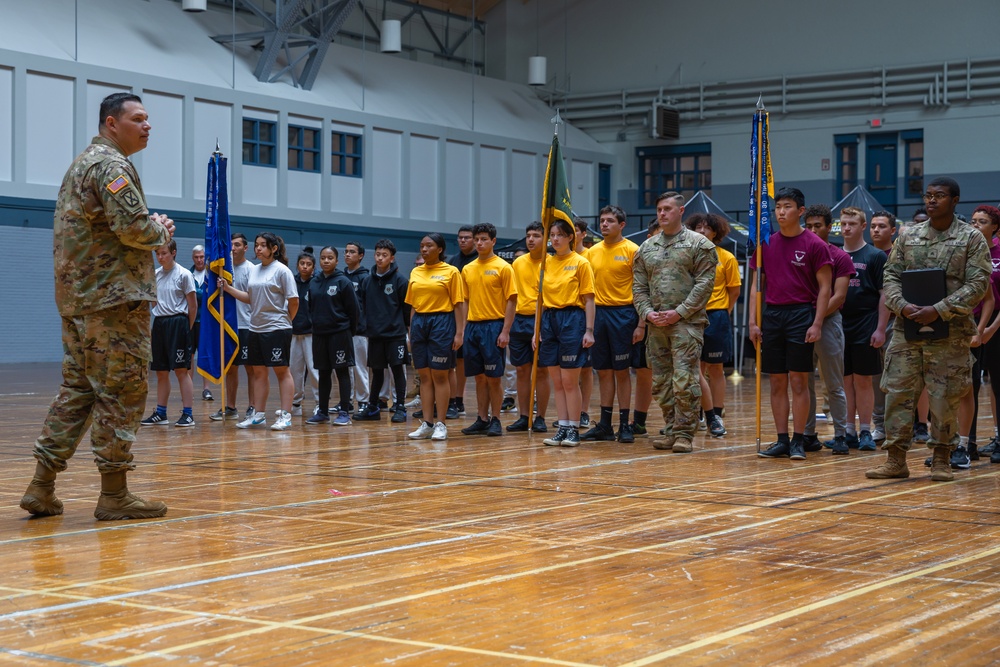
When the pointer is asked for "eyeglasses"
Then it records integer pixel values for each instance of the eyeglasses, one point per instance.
(935, 196)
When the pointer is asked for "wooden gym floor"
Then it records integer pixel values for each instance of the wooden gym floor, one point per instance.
(353, 546)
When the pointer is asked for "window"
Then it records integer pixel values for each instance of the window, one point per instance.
(685, 169)
(260, 142)
(847, 163)
(913, 155)
(346, 152)
(303, 149)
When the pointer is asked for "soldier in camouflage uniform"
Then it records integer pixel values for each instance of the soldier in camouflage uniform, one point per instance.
(103, 236)
(944, 366)
(674, 273)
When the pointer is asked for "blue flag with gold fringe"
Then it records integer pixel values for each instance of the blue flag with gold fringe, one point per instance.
(761, 181)
(218, 341)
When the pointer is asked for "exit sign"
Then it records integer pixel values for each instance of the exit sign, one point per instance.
(875, 122)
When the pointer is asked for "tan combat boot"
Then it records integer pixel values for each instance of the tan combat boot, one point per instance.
(40, 497)
(941, 465)
(117, 503)
(894, 467)
(665, 442)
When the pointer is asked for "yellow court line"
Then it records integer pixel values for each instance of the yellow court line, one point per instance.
(549, 568)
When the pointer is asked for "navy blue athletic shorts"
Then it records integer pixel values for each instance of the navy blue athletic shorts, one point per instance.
(431, 336)
(613, 327)
(480, 351)
(521, 332)
(562, 338)
(718, 346)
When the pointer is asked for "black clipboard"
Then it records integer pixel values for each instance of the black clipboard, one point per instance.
(924, 287)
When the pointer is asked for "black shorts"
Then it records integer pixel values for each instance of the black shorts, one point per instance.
(479, 347)
(386, 352)
(431, 338)
(270, 348)
(784, 348)
(243, 356)
(335, 350)
(613, 327)
(639, 359)
(718, 346)
(521, 332)
(171, 343)
(862, 359)
(195, 336)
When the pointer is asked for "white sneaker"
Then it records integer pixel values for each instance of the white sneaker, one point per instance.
(296, 410)
(253, 419)
(440, 432)
(878, 434)
(415, 403)
(423, 431)
(283, 421)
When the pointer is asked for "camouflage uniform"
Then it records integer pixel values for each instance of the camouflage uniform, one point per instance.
(102, 239)
(675, 273)
(943, 366)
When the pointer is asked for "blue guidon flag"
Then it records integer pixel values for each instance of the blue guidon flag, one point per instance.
(218, 341)
(761, 181)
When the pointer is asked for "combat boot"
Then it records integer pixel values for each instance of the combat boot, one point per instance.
(941, 465)
(894, 467)
(40, 497)
(117, 503)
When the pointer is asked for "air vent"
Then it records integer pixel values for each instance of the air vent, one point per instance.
(666, 122)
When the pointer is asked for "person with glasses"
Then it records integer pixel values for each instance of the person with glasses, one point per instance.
(942, 365)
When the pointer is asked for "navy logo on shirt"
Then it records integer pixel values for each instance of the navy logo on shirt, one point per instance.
(388, 289)
(332, 290)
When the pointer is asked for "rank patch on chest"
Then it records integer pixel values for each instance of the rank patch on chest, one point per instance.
(115, 186)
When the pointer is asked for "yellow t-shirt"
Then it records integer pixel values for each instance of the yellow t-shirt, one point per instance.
(612, 267)
(526, 280)
(727, 274)
(488, 285)
(435, 289)
(567, 279)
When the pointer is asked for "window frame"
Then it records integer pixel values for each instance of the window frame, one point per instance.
(850, 141)
(300, 149)
(674, 154)
(339, 154)
(255, 143)
(910, 138)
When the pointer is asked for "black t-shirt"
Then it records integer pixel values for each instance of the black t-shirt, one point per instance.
(860, 309)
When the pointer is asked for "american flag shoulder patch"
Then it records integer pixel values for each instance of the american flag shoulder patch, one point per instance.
(115, 186)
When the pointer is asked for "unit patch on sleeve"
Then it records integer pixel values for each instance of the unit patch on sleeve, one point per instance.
(115, 186)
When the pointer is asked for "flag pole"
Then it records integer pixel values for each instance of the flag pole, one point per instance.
(216, 154)
(762, 192)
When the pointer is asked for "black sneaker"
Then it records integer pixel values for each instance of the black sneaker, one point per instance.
(599, 433)
(840, 446)
(383, 404)
(960, 459)
(454, 413)
(185, 420)
(520, 425)
(995, 456)
(370, 414)
(398, 415)
(639, 429)
(920, 433)
(796, 450)
(777, 450)
(538, 426)
(716, 428)
(557, 439)
(155, 419)
(584, 419)
(572, 438)
(478, 427)
(508, 404)
(231, 413)
(625, 433)
(206, 395)
(852, 440)
(495, 429)
(865, 442)
(811, 443)
(419, 414)
(991, 447)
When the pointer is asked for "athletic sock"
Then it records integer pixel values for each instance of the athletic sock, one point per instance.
(161, 410)
(640, 418)
(709, 414)
(866, 427)
(797, 436)
(963, 441)
(851, 430)
(783, 437)
(186, 411)
(623, 417)
(606, 413)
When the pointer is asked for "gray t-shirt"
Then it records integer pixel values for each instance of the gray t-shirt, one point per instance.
(172, 288)
(240, 275)
(270, 287)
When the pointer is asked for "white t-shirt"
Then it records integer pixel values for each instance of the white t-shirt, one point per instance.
(270, 287)
(172, 288)
(241, 273)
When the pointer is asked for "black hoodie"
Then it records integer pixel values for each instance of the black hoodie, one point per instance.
(302, 324)
(383, 299)
(356, 277)
(333, 304)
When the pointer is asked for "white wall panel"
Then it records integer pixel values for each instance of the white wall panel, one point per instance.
(492, 186)
(346, 194)
(6, 124)
(525, 189)
(424, 175)
(581, 187)
(49, 128)
(458, 183)
(260, 185)
(212, 121)
(96, 92)
(163, 159)
(304, 190)
(31, 331)
(386, 164)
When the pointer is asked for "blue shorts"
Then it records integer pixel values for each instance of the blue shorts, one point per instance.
(431, 336)
(613, 327)
(480, 351)
(519, 346)
(718, 347)
(562, 338)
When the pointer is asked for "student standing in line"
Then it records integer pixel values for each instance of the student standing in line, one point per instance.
(173, 319)
(437, 297)
(567, 330)
(198, 271)
(335, 316)
(303, 370)
(241, 272)
(273, 303)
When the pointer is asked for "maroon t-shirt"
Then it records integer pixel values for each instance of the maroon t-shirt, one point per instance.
(790, 266)
(994, 244)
